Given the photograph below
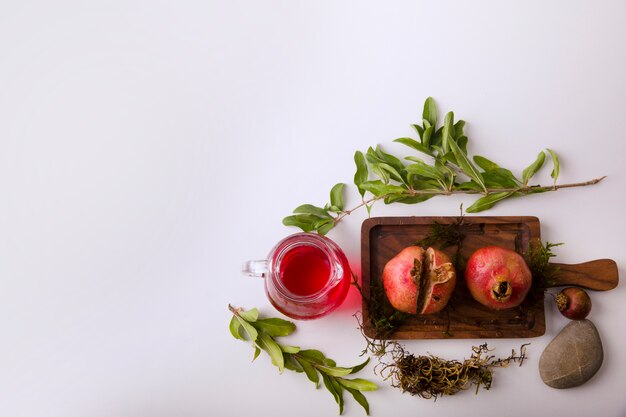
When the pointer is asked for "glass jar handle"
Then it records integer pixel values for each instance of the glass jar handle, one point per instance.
(255, 268)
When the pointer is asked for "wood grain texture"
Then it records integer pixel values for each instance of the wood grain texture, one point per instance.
(383, 237)
(599, 275)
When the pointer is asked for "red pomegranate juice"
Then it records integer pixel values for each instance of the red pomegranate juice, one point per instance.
(305, 270)
(316, 278)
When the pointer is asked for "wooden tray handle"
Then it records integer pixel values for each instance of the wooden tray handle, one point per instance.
(600, 275)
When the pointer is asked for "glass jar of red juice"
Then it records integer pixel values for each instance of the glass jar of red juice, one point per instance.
(306, 275)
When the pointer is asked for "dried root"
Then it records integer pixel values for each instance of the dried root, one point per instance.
(430, 376)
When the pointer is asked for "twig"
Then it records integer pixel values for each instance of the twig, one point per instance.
(524, 190)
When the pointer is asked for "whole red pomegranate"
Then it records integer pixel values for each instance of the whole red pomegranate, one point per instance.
(574, 303)
(498, 278)
(419, 280)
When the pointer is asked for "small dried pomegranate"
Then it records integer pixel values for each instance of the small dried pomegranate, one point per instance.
(498, 278)
(419, 280)
(574, 303)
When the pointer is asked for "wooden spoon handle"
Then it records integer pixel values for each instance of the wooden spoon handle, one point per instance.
(600, 274)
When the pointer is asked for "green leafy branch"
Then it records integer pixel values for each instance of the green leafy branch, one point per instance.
(247, 326)
(446, 170)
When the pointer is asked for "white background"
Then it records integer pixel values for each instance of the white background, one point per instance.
(148, 148)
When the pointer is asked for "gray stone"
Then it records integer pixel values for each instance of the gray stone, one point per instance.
(573, 357)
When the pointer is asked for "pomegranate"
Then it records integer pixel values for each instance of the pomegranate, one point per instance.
(419, 280)
(498, 278)
(574, 303)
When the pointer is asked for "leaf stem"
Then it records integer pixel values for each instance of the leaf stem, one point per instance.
(523, 189)
(362, 204)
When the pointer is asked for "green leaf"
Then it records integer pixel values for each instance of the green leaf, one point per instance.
(360, 366)
(415, 199)
(336, 196)
(360, 398)
(310, 222)
(389, 159)
(324, 226)
(268, 344)
(428, 133)
(470, 186)
(372, 156)
(250, 315)
(250, 331)
(329, 362)
(393, 172)
(337, 393)
(556, 165)
(379, 172)
(309, 370)
(334, 370)
(275, 327)
(449, 157)
(289, 348)
(447, 173)
(448, 131)
(412, 143)
(313, 356)
(500, 178)
(436, 138)
(462, 142)
(257, 352)
(419, 129)
(488, 201)
(379, 189)
(235, 329)
(386, 162)
(313, 210)
(306, 222)
(485, 163)
(358, 384)
(425, 170)
(425, 184)
(291, 363)
(466, 165)
(339, 390)
(458, 129)
(361, 173)
(532, 169)
(430, 111)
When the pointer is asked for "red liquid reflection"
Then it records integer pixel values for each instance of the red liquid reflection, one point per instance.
(305, 270)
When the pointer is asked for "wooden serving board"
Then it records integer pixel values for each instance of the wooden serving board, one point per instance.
(383, 237)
